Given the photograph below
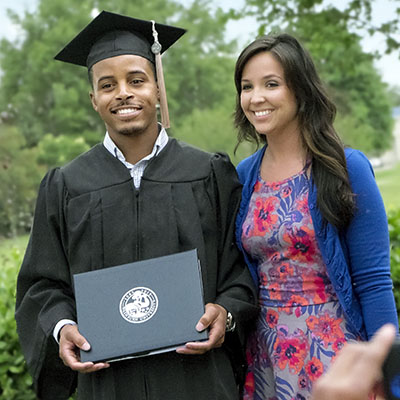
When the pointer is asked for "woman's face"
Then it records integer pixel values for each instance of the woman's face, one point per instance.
(265, 98)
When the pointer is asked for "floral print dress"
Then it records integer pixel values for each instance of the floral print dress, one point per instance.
(301, 325)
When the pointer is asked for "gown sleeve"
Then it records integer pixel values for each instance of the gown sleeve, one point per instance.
(236, 291)
(44, 292)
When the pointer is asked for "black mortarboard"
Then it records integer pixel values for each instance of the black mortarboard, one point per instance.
(110, 35)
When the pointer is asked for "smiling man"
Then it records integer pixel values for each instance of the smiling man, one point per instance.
(137, 195)
(125, 95)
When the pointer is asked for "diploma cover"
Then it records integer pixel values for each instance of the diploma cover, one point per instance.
(141, 308)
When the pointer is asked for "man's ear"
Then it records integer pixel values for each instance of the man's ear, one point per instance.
(93, 100)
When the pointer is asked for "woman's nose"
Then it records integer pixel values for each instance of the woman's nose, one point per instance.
(258, 96)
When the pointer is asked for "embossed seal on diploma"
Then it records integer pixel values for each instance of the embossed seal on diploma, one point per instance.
(138, 305)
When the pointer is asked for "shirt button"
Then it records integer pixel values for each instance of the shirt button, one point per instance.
(311, 206)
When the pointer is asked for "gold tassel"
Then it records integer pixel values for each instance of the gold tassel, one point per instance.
(156, 49)
(163, 93)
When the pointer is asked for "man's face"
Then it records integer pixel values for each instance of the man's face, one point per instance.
(125, 95)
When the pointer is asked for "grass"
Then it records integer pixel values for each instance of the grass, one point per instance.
(17, 244)
(389, 184)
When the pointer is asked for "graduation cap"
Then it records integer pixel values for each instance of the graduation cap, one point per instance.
(111, 35)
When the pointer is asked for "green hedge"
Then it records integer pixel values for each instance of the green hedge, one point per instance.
(15, 382)
(394, 232)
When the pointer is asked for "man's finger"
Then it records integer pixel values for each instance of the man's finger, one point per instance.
(71, 334)
(210, 314)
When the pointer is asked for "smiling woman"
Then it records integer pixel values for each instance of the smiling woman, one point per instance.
(304, 224)
(269, 104)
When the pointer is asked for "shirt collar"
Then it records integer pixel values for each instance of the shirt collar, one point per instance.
(160, 143)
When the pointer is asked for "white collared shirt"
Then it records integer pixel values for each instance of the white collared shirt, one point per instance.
(137, 170)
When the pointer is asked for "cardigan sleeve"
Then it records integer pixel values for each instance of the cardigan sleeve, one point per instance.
(367, 240)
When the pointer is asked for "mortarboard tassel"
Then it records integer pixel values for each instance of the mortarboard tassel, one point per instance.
(156, 49)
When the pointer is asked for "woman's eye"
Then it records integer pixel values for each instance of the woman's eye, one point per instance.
(246, 86)
(271, 84)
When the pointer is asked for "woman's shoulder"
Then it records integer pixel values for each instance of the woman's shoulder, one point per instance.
(355, 157)
(357, 163)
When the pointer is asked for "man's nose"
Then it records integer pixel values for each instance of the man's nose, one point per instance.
(124, 92)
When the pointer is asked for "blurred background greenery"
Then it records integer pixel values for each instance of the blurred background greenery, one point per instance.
(46, 118)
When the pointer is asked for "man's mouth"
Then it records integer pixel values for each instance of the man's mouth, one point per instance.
(126, 110)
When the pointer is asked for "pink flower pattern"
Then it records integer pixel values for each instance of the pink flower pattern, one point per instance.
(301, 326)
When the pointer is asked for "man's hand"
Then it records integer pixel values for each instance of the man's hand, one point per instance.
(214, 318)
(70, 343)
(357, 370)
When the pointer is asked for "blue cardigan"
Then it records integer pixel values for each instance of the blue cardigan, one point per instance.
(358, 260)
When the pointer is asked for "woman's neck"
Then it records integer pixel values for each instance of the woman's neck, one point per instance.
(283, 158)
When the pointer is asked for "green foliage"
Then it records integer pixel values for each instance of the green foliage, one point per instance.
(394, 231)
(42, 95)
(394, 94)
(212, 130)
(362, 97)
(15, 381)
(199, 74)
(57, 151)
(353, 14)
(19, 179)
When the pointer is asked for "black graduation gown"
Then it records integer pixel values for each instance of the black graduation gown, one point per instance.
(90, 216)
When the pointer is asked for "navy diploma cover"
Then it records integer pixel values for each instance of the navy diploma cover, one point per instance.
(140, 308)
